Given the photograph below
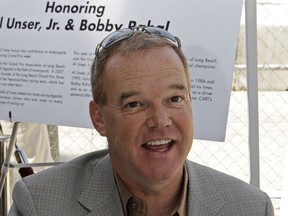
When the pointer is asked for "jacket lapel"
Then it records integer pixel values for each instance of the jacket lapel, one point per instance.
(203, 198)
(100, 195)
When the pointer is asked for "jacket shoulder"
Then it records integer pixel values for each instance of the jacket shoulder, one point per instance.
(58, 187)
(222, 182)
(213, 190)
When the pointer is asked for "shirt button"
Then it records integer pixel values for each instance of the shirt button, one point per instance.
(134, 205)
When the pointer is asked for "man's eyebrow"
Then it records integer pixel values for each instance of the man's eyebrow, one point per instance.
(126, 95)
(177, 86)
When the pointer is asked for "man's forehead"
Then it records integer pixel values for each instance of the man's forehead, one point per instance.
(147, 57)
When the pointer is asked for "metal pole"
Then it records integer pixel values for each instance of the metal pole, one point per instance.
(5, 165)
(3, 196)
(252, 88)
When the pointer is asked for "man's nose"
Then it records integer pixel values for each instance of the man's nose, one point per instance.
(159, 117)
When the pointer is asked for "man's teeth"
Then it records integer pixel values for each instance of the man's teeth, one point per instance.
(159, 142)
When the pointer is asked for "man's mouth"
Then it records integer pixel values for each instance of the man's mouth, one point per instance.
(159, 145)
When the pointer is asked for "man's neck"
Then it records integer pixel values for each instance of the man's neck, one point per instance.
(164, 204)
(160, 197)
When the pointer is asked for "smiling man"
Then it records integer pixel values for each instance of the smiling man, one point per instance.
(147, 118)
(142, 104)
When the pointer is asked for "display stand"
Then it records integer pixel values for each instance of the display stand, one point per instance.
(5, 158)
(4, 194)
(6, 154)
(252, 89)
(6, 161)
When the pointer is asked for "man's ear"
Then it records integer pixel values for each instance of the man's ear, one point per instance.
(97, 118)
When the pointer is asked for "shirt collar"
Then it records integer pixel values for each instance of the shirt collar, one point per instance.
(128, 200)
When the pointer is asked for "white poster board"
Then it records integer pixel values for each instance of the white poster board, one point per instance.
(46, 48)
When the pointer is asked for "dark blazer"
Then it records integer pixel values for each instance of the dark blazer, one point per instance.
(86, 186)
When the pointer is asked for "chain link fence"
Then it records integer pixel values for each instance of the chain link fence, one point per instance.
(232, 156)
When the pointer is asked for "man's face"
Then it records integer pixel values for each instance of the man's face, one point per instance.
(148, 116)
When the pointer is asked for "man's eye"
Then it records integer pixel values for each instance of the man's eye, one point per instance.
(133, 104)
(134, 107)
(175, 99)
